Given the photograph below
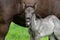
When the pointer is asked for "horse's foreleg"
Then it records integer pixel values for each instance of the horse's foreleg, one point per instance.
(3, 31)
(4, 26)
(6, 14)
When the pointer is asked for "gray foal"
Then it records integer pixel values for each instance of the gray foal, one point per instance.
(44, 27)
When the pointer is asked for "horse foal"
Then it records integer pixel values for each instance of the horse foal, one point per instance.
(44, 27)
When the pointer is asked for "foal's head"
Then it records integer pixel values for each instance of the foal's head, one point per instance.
(29, 7)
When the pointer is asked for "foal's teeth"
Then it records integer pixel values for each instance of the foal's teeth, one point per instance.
(28, 23)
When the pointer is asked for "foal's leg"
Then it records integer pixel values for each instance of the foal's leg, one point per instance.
(52, 37)
(34, 35)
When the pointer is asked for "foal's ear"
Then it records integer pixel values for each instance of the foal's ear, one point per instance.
(23, 4)
(35, 6)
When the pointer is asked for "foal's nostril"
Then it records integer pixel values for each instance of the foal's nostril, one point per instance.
(27, 19)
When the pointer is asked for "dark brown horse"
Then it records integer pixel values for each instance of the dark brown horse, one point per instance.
(13, 10)
(8, 8)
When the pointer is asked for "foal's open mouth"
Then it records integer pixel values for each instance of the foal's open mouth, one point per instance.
(27, 21)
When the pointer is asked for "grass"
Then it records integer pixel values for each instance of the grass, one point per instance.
(17, 32)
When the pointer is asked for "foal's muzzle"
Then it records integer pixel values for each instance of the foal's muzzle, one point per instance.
(27, 21)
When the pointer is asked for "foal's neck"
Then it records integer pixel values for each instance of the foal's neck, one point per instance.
(34, 22)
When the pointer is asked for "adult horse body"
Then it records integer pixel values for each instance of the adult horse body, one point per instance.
(8, 8)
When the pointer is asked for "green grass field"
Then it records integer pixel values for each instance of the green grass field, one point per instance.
(19, 33)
